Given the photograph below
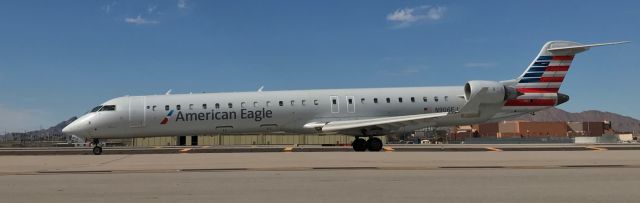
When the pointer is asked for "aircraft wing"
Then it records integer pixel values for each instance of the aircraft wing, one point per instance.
(384, 122)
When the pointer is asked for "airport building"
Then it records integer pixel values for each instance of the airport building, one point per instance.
(246, 140)
(532, 129)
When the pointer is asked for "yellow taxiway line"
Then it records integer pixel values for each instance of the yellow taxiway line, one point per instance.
(596, 148)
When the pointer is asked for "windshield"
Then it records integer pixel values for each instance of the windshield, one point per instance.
(96, 108)
(108, 108)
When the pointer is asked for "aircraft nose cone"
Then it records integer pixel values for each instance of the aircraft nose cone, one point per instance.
(71, 129)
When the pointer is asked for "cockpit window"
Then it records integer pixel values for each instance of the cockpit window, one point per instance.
(108, 108)
(96, 108)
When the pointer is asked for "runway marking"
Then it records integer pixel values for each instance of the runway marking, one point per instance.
(288, 149)
(594, 166)
(388, 149)
(212, 169)
(596, 148)
(471, 167)
(493, 149)
(62, 172)
(346, 168)
(185, 150)
(521, 167)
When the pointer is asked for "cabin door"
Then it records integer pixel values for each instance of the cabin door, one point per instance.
(351, 104)
(137, 112)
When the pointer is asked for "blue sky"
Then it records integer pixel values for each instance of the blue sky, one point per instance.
(60, 58)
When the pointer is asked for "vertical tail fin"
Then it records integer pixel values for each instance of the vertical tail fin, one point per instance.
(547, 71)
(538, 86)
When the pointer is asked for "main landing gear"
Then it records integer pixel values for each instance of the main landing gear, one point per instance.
(97, 149)
(373, 144)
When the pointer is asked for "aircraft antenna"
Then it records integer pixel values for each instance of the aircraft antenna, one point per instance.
(260, 89)
(168, 92)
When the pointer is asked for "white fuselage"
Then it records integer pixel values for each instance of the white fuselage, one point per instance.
(274, 111)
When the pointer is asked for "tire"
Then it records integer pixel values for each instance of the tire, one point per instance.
(374, 144)
(359, 145)
(97, 150)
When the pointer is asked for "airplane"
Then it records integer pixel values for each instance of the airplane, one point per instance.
(362, 113)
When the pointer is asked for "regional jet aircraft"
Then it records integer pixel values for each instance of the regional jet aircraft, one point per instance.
(362, 113)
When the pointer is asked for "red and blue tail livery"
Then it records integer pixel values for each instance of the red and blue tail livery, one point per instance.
(545, 75)
(540, 83)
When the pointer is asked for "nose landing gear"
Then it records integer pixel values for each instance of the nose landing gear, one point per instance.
(97, 149)
(373, 144)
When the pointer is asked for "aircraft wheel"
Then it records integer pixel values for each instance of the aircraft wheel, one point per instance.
(97, 150)
(359, 145)
(374, 144)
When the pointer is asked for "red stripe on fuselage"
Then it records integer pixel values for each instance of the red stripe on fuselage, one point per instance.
(551, 79)
(557, 68)
(164, 121)
(570, 57)
(530, 102)
(538, 90)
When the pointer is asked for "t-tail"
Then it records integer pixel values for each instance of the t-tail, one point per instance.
(539, 84)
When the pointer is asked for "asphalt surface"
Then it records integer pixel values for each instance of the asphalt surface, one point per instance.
(496, 176)
(315, 148)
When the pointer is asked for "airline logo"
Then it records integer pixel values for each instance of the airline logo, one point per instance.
(541, 82)
(545, 75)
(166, 119)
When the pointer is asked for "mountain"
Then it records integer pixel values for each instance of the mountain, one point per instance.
(619, 122)
(54, 132)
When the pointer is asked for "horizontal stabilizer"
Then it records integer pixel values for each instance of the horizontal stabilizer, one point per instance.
(577, 48)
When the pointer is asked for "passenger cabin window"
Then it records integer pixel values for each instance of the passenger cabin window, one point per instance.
(178, 107)
(153, 108)
(148, 107)
(268, 103)
(166, 107)
(204, 106)
(255, 104)
(424, 99)
(242, 105)
(446, 98)
(362, 100)
(388, 100)
(375, 100)
(190, 106)
(230, 105)
(293, 102)
(400, 99)
(435, 98)
(303, 102)
(413, 100)
(315, 102)
(281, 103)
(217, 105)
(108, 108)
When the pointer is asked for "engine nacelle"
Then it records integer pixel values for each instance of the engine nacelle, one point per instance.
(496, 91)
